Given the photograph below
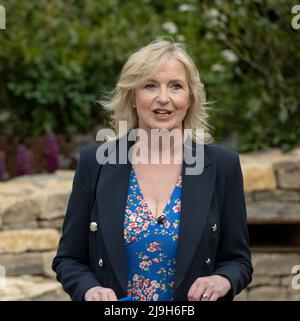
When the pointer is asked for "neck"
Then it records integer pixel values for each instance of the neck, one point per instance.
(159, 147)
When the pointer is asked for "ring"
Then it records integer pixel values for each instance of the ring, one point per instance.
(204, 295)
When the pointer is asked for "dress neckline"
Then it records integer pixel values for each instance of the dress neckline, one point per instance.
(145, 202)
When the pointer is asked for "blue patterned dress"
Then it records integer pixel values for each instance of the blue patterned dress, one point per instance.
(151, 247)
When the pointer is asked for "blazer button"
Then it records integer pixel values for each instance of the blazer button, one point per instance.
(93, 226)
(207, 262)
(100, 262)
(214, 227)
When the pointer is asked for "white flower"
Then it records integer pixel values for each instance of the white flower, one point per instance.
(186, 7)
(209, 35)
(170, 27)
(216, 18)
(155, 296)
(213, 13)
(181, 38)
(214, 22)
(223, 17)
(222, 36)
(218, 68)
(229, 55)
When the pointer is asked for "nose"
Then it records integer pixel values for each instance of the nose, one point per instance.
(163, 98)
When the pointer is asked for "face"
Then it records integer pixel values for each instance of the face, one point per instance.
(162, 102)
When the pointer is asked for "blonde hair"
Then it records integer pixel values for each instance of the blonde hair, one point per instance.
(139, 67)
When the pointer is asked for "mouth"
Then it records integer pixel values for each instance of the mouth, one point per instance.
(162, 114)
(160, 111)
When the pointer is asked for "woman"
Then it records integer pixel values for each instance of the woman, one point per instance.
(149, 230)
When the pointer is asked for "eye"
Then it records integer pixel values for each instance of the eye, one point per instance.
(176, 86)
(150, 86)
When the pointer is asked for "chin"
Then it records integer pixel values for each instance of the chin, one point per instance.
(169, 126)
(163, 127)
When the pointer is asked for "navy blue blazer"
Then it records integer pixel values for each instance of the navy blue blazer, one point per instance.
(213, 236)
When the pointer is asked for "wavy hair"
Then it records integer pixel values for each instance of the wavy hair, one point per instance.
(141, 65)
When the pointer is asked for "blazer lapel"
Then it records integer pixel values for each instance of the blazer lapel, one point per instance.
(197, 191)
(111, 202)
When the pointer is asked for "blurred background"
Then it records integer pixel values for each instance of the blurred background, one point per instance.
(58, 57)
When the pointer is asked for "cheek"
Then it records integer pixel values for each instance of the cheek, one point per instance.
(143, 102)
(183, 103)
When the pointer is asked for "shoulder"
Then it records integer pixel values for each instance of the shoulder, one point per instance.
(87, 157)
(218, 152)
(225, 158)
(88, 153)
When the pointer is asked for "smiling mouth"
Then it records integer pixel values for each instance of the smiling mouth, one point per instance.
(162, 112)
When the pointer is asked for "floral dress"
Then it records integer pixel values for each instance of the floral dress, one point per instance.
(151, 247)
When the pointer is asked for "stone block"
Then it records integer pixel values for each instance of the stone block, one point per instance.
(248, 198)
(21, 210)
(264, 279)
(21, 225)
(273, 211)
(31, 263)
(27, 287)
(36, 180)
(54, 204)
(17, 241)
(274, 263)
(242, 296)
(258, 176)
(47, 258)
(52, 295)
(286, 280)
(293, 295)
(267, 293)
(65, 174)
(55, 223)
(12, 189)
(23, 263)
(289, 178)
(277, 195)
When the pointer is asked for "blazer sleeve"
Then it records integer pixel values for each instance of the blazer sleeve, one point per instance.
(71, 262)
(233, 259)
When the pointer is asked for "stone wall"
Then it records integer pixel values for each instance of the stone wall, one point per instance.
(32, 210)
(31, 215)
(272, 186)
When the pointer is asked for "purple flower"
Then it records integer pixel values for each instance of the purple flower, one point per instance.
(51, 152)
(2, 166)
(23, 161)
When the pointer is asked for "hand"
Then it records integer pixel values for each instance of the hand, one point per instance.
(99, 293)
(209, 288)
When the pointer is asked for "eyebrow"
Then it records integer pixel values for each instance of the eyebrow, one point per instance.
(172, 80)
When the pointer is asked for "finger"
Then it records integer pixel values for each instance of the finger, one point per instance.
(109, 295)
(194, 294)
(100, 295)
(96, 297)
(214, 297)
(112, 296)
(207, 294)
(202, 289)
(197, 294)
(105, 296)
(192, 289)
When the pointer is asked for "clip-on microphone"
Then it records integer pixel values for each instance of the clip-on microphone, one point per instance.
(161, 219)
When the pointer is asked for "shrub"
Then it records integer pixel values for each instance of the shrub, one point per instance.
(57, 57)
